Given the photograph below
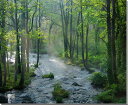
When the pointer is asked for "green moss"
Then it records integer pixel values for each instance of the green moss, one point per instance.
(51, 75)
(32, 74)
(59, 93)
(59, 100)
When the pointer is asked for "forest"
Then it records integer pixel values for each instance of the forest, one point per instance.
(62, 51)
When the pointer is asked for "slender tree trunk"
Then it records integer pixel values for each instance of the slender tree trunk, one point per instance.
(64, 19)
(23, 44)
(63, 28)
(77, 51)
(18, 59)
(38, 41)
(87, 30)
(0, 75)
(3, 43)
(8, 66)
(71, 45)
(82, 32)
(1, 82)
(28, 39)
(96, 39)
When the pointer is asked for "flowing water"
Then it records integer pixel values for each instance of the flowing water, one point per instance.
(40, 89)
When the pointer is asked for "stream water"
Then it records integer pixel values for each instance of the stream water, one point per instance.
(40, 90)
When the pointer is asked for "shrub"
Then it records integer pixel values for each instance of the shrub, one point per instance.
(106, 97)
(111, 95)
(59, 93)
(51, 75)
(98, 79)
(122, 100)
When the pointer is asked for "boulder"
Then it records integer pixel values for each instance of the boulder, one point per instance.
(82, 69)
(76, 84)
(3, 99)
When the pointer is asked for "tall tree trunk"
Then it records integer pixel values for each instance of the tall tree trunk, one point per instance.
(38, 41)
(71, 45)
(77, 50)
(18, 59)
(113, 42)
(63, 28)
(82, 32)
(23, 44)
(3, 42)
(87, 31)
(0, 74)
(96, 39)
(121, 44)
(65, 19)
(28, 39)
(109, 61)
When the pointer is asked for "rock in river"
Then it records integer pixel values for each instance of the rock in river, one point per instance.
(3, 99)
(76, 84)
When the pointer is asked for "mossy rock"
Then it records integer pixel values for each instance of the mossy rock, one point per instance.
(3, 99)
(59, 93)
(51, 75)
(32, 74)
(35, 66)
(59, 100)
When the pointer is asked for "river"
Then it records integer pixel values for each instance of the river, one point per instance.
(72, 78)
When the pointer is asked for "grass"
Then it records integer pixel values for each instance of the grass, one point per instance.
(59, 93)
(51, 75)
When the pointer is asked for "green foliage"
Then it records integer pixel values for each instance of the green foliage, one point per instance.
(112, 94)
(59, 93)
(121, 100)
(51, 75)
(122, 82)
(99, 79)
(35, 65)
(11, 84)
(32, 73)
(105, 97)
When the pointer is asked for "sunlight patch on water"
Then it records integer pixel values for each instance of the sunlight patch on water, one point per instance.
(57, 62)
(53, 60)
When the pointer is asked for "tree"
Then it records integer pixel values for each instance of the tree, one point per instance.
(3, 44)
(18, 59)
(82, 32)
(38, 40)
